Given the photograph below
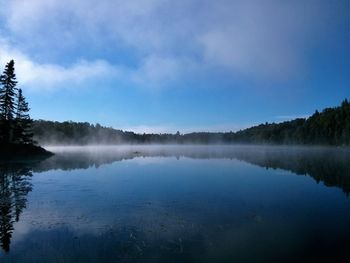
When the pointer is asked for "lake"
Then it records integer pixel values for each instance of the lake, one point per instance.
(177, 204)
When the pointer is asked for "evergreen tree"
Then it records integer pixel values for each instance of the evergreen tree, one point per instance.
(23, 127)
(7, 102)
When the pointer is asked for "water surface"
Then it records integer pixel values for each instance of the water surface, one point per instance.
(177, 204)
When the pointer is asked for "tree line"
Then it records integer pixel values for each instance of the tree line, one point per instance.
(15, 122)
(329, 127)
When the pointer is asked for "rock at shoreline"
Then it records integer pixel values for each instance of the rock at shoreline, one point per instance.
(15, 151)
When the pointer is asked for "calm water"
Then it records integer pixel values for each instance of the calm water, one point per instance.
(177, 204)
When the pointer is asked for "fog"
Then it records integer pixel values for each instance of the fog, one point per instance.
(192, 151)
(145, 196)
(327, 164)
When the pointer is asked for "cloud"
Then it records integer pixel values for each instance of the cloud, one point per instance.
(49, 76)
(152, 72)
(261, 39)
(155, 70)
(167, 39)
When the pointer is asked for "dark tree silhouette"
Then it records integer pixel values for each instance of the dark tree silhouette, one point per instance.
(7, 101)
(15, 122)
(14, 187)
(23, 129)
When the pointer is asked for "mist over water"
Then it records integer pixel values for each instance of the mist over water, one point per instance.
(326, 164)
(177, 204)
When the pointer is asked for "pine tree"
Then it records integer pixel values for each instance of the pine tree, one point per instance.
(7, 102)
(23, 122)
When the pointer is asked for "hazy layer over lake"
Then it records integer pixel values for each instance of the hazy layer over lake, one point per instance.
(177, 204)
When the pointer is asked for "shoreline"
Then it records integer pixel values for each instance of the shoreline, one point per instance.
(23, 151)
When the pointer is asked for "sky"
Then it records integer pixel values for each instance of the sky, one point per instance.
(187, 65)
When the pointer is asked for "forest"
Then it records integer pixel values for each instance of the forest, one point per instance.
(331, 126)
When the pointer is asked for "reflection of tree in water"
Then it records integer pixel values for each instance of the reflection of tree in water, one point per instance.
(14, 187)
(330, 166)
(325, 164)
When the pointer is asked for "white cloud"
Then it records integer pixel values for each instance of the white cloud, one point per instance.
(48, 76)
(168, 38)
(155, 70)
(261, 38)
(38, 76)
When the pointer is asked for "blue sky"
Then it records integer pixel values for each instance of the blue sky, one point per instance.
(163, 65)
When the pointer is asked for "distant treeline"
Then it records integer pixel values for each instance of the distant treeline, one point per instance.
(329, 127)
